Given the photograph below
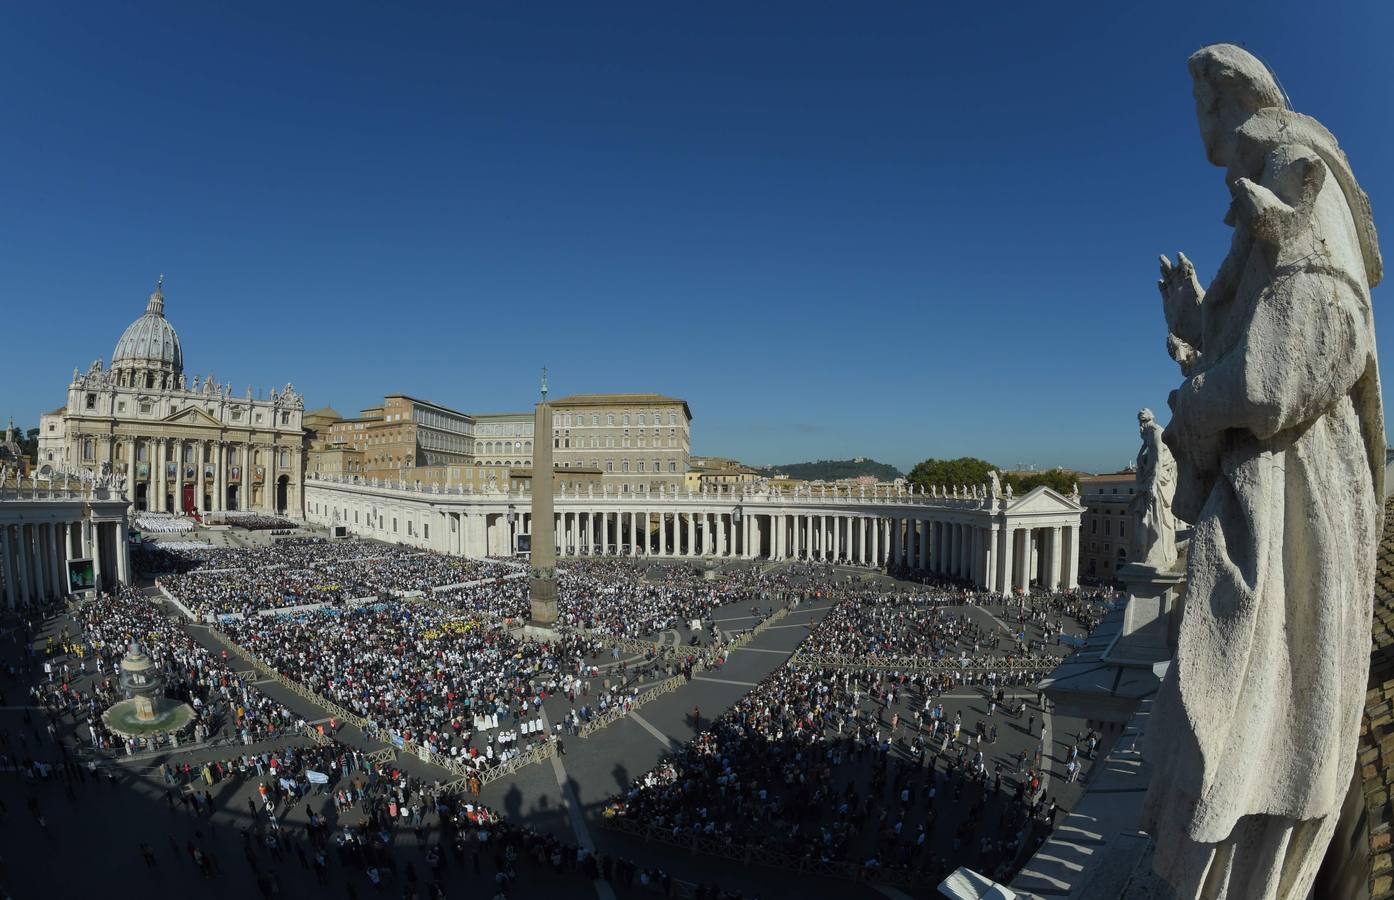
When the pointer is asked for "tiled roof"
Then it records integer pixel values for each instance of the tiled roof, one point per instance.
(1377, 728)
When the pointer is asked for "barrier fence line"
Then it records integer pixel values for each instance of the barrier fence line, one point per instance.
(918, 664)
(667, 686)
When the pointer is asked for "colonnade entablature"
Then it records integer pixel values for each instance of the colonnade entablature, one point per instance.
(996, 542)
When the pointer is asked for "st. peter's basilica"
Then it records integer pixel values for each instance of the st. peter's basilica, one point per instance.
(181, 445)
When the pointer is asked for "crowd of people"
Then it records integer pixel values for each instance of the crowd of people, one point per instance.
(163, 523)
(463, 687)
(856, 765)
(304, 571)
(938, 625)
(224, 704)
(860, 769)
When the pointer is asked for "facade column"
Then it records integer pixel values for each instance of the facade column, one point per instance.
(835, 545)
(219, 475)
(1069, 561)
(269, 484)
(131, 469)
(1052, 559)
(157, 475)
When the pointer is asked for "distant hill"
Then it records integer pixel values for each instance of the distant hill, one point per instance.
(834, 469)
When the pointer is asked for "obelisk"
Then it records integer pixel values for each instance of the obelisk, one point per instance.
(542, 580)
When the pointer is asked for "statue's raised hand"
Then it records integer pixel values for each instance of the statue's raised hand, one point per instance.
(1181, 294)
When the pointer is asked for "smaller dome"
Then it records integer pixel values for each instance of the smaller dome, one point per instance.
(150, 341)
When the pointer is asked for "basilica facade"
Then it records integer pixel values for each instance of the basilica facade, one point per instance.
(180, 445)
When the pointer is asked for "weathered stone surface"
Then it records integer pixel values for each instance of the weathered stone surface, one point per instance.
(1279, 440)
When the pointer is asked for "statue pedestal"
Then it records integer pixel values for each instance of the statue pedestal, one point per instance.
(1151, 618)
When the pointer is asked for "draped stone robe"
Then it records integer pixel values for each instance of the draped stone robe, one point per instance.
(1279, 437)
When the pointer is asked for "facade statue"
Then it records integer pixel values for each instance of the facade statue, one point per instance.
(1154, 525)
(994, 484)
(1279, 441)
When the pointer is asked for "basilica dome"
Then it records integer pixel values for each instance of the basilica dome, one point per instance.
(150, 342)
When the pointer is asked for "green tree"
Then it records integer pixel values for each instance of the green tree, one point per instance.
(950, 472)
(1061, 481)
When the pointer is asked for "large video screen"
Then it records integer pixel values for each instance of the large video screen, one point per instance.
(82, 575)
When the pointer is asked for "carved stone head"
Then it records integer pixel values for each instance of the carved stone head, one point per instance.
(1230, 84)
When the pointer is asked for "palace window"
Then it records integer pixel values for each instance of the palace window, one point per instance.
(610, 419)
(624, 466)
(91, 401)
(643, 419)
(626, 420)
(641, 465)
(285, 418)
(672, 466)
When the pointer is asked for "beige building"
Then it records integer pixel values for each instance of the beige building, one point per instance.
(1104, 527)
(405, 433)
(503, 439)
(181, 445)
(639, 442)
(730, 473)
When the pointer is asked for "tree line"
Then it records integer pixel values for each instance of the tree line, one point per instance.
(971, 471)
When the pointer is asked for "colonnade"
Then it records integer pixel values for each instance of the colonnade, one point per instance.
(997, 544)
(38, 536)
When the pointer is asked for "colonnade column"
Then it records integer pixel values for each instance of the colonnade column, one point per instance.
(1004, 578)
(11, 594)
(55, 551)
(1071, 558)
(1052, 558)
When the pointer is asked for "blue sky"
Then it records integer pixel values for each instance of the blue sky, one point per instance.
(895, 230)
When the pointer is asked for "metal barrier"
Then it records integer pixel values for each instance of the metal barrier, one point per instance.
(919, 664)
(701, 664)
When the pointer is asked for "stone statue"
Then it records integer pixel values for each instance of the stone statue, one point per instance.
(1279, 442)
(1154, 526)
(994, 484)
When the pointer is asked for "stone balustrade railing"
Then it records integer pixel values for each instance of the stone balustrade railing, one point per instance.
(978, 497)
